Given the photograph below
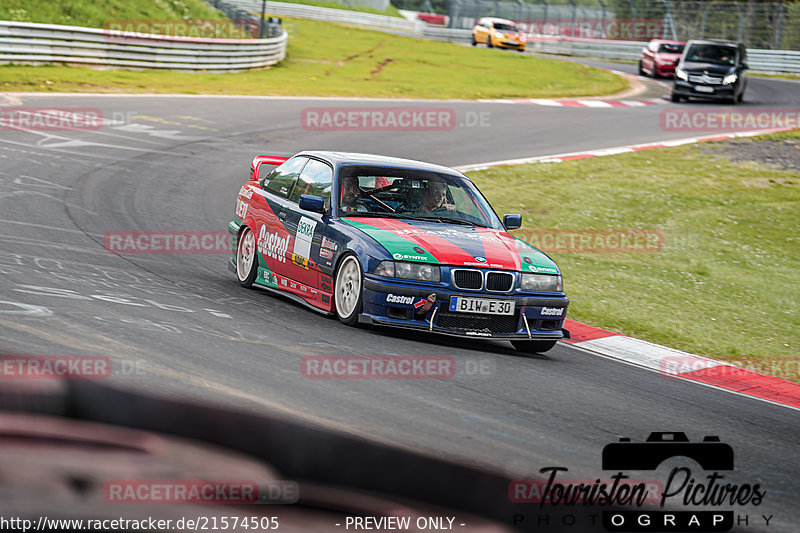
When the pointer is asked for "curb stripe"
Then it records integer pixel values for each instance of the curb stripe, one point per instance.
(558, 158)
(675, 364)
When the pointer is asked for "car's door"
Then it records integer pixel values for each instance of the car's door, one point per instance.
(482, 31)
(272, 237)
(306, 229)
(648, 57)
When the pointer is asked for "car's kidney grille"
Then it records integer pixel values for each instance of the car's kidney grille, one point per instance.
(499, 281)
(468, 279)
(475, 322)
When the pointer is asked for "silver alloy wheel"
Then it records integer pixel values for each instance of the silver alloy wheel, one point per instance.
(348, 287)
(245, 254)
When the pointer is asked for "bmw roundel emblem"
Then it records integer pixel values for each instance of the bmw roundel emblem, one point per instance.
(480, 259)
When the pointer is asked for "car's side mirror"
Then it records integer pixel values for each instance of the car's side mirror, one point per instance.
(745, 65)
(512, 221)
(312, 203)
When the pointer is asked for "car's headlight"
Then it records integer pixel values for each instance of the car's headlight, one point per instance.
(681, 74)
(406, 270)
(541, 282)
(499, 35)
(730, 78)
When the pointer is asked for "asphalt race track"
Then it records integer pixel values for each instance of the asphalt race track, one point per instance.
(176, 163)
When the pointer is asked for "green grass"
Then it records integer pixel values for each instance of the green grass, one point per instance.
(390, 11)
(95, 14)
(325, 59)
(726, 284)
(778, 76)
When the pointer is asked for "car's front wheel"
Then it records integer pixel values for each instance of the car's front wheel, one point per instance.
(246, 261)
(533, 346)
(489, 41)
(641, 70)
(347, 296)
(674, 97)
(474, 42)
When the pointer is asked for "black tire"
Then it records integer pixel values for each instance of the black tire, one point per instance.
(246, 258)
(740, 99)
(474, 42)
(641, 70)
(489, 41)
(533, 346)
(674, 98)
(348, 290)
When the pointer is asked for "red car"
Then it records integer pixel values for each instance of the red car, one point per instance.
(659, 58)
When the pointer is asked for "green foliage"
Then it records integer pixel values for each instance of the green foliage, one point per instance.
(95, 14)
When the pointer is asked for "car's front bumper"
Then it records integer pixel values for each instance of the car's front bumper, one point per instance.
(689, 90)
(511, 44)
(396, 304)
(665, 71)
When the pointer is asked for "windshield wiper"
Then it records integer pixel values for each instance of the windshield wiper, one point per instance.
(451, 220)
(371, 214)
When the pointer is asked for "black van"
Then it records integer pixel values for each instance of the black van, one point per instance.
(713, 70)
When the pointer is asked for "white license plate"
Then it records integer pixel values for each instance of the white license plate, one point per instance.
(703, 89)
(483, 306)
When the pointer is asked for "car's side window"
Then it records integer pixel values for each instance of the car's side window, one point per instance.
(281, 180)
(315, 179)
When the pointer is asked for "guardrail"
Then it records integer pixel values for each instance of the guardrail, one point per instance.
(779, 61)
(30, 43)
(327, 14)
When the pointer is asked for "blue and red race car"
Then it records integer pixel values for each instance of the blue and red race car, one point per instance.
(394, 242)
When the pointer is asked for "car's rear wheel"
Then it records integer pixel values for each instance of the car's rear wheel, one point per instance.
(474, 42)
(246, 261)
(533, 346)
(641, 70)
(347, 296)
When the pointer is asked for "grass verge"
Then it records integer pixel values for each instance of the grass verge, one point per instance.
(95, 14)
(791, 77)
(726, 283)
(390, 11)
(325, 59)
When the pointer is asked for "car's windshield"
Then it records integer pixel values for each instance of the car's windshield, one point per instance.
(412, 194)
(501, 26)
(670, 48)
(711, 53)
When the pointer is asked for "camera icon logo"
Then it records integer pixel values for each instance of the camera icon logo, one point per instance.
(711, 454)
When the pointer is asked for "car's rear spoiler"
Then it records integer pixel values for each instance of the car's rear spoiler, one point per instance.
(264, 160)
